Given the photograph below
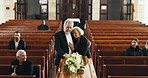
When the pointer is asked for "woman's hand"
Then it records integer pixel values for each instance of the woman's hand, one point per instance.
(71, 46)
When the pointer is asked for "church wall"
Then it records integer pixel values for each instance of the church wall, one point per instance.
(2, 17)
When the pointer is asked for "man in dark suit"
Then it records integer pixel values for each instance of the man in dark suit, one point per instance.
(62, 40)
(17, 43)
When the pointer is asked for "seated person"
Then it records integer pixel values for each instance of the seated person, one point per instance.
(43, 26)
(21, 65)
(17, 43)
(134, 49)
(145, 49)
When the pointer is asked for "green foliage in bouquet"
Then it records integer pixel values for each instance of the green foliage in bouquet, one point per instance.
(74, 63)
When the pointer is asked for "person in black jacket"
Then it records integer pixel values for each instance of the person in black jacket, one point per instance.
(62, 40)
(145, 49)
(43, 26)
(17, 43)
(81, 43)
(134, 49)
(21, 65)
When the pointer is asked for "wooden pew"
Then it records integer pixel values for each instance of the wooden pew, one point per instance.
(118, 37)
(118, 34)
(35, 59)
(117, 41)
(115, 47)
(111, 53)
(127, 76)
(28, 34)
(125, 70)
(112, 22)
(43, 52)
(29, 46)
(20, 76)
(30, 31)
(28, 37)
(32, 41)
(4, 70)
(51, 23)
(141, 60)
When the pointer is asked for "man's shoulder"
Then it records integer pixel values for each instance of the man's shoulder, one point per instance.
(59, 32)
(29, 61)
(22, 41)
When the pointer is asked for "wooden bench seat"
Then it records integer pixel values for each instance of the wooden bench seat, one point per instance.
(115, 47)
(127, 76)
(30, 31)
(117, 41)
(125, 70)
(119, 37)
(29, 46)
(116, 31)
(20, 76)
(139, 60)
(33, 22)
(95, 22)
(111, 53)
(32, 41)
(27, 37)
(36, 52)
(28, 34)
(118, 34)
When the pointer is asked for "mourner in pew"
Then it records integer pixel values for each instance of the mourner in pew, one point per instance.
(43, 26)
(134, 49)
(62, 39)
(21, 65)
(17, 43)
(145, 49)
(81, 45)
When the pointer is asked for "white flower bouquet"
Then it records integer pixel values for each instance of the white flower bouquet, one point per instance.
(74, 63)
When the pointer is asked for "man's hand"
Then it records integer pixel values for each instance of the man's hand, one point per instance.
(13, 74)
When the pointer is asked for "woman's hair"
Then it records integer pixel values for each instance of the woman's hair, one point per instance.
(79, 30)
(19, 52)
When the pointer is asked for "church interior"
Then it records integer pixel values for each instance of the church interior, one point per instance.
(109, 25)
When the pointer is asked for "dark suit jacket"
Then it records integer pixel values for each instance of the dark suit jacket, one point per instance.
(145, 51)
(61, 46)
(43, 27)
(21, 45)
(25, 69)
(133, 51)
(82, 47)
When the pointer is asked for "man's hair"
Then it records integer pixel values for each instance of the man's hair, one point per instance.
(19, 52)
(69, 21)
(135, 39)
(79, 30)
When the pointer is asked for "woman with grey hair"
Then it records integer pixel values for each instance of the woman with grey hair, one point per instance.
(21, 65)
(81, 45)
